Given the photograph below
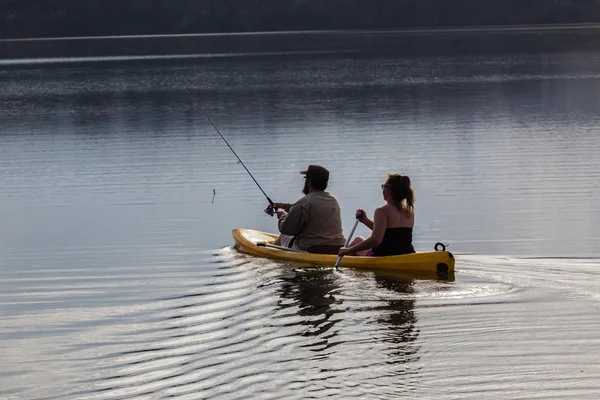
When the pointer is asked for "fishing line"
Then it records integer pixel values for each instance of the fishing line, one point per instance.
(271, 207)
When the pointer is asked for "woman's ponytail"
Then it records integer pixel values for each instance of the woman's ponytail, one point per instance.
(402, 192)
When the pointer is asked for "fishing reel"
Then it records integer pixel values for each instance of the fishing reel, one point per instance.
(270, 210)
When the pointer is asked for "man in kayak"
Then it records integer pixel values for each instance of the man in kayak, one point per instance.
(314, 222)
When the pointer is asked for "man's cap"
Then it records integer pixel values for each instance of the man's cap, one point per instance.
(316, 173)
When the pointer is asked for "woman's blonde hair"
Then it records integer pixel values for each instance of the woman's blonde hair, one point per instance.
(401, 191)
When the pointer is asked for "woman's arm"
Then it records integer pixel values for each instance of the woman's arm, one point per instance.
(362, 217)
(378, 226)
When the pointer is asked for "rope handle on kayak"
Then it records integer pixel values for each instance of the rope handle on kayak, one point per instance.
(442, 245)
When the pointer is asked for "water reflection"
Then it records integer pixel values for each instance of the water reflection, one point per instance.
(105, 165)
(314, 295)
(398, 319)
(327, 301)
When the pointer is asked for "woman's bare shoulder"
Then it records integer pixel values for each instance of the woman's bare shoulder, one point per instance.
(382, 209)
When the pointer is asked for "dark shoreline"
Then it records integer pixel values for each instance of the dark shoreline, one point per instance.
(417, 31)
(409, 42)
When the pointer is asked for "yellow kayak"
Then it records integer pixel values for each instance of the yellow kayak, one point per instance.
(257, 243)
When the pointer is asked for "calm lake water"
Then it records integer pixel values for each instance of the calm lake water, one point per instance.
(117, 275)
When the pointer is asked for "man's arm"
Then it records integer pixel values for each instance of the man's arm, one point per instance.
(283, 206)
(293, 222)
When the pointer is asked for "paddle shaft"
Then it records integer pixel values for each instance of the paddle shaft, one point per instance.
(274, 246)
(337, 263)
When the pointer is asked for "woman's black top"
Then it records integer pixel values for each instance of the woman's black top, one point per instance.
(395, 241)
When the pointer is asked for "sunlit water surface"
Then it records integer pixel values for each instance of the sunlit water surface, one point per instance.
(117, 276)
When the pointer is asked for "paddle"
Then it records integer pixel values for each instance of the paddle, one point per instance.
(274, 246)
(337, 263)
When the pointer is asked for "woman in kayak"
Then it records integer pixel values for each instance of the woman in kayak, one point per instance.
(392, 223)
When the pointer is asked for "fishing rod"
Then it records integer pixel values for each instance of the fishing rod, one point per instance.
(271, 207)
